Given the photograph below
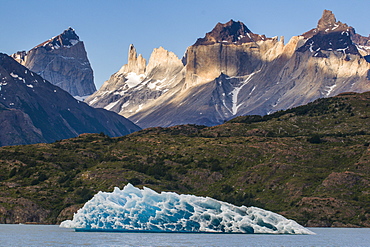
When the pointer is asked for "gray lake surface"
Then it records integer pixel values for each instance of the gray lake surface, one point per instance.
(53, 235)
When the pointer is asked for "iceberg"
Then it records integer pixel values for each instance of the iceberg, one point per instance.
(144, 210)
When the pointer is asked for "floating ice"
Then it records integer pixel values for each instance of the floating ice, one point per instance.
(132, 209)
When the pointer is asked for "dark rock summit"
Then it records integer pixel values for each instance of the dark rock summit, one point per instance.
(32, 110)
(328, 21)
(63, 61)
(330, 35)
(67, 39)
(230, 32)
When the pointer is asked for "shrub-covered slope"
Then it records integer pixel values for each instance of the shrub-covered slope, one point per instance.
(309, 163)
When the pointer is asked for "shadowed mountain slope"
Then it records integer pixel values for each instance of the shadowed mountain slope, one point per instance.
(32, 110)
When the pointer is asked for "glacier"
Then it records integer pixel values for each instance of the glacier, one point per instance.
(144, 210)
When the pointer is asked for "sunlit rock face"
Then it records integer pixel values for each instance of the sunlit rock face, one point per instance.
(132, 209)
(232, 71)
(137, 84)
(231, 49)
(62, 60)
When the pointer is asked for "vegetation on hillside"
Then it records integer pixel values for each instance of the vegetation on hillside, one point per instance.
(310, 164)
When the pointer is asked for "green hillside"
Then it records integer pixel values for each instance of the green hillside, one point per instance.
(310, 164)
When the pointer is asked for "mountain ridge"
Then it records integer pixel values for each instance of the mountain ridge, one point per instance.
(246, 76)
(32, 110)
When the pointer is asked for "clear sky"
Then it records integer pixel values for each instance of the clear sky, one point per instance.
(108, 27)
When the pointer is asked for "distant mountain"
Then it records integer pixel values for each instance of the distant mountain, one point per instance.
(331, 35)
(230, 32)
(233, 71)
(32, 110)
(138, 84)
(63, 61)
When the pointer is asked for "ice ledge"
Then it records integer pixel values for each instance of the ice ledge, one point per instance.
(135, 210)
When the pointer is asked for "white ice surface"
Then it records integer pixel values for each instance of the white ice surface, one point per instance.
(132, 209)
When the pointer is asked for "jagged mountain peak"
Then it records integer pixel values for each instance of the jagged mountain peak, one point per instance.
(329, 22)
(136, 63)
(66, 39)
(231, 32)
(63, 61)
(232, 28)
(132, 54)
(69, 34)
(330, 35)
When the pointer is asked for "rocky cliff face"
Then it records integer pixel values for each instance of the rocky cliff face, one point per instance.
(138, 84)
(232, 71)
(63, 61)
(326, 62)
(32, 110)
(230, 49)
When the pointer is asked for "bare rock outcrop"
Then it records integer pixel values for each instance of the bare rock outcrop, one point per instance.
(128, 90)
(63, 61)
(230, 49)
(21, 210)
(135, 64)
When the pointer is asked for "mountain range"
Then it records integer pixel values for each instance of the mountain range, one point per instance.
(229, 72)
(32, 110)
(233, 71)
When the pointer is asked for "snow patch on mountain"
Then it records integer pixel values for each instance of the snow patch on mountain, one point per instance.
(134, 79)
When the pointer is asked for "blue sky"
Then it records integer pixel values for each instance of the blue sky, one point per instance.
(108, 27)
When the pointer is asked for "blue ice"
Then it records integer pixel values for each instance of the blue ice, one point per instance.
(144, 210)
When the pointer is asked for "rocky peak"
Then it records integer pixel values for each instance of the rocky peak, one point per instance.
(67, 39)
(231, 32)
(68, 35)
(328, 21)
(328, 24)
(329, 35)
(63, 61)
(132, 54)
(136, 63)
(160, 57)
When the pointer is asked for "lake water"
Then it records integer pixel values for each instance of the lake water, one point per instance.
(46, 235)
